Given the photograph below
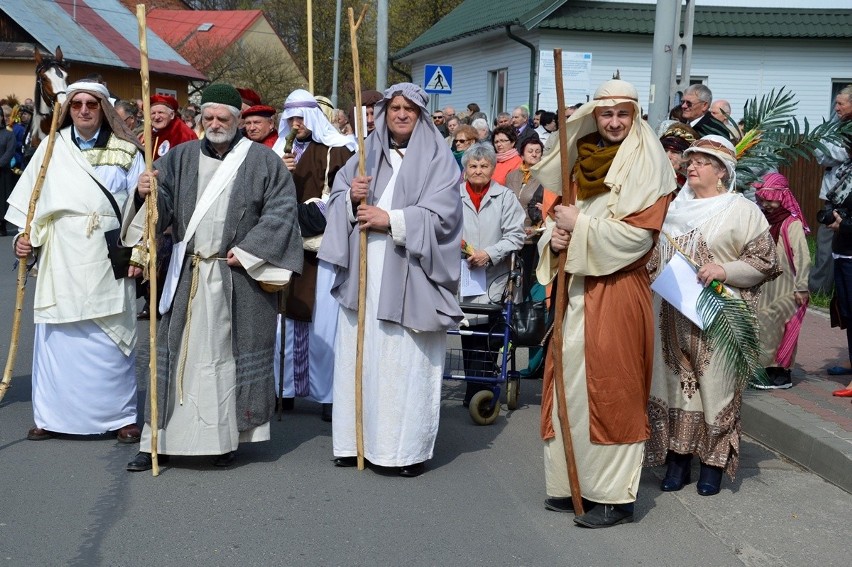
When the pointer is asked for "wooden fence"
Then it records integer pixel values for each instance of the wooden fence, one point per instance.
(805, 177)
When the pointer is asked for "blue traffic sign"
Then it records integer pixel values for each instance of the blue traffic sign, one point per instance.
(438, 79)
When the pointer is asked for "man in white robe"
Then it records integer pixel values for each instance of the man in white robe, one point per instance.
(84, 376)
(414, 218)
(232, 209)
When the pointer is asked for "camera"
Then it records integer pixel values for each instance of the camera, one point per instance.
(826, 215)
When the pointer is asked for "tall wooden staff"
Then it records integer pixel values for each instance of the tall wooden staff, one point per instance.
(22, 262)
(569, 197)
(362, 253)
(151, 237)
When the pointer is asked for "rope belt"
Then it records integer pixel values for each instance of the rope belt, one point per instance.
(193, 288)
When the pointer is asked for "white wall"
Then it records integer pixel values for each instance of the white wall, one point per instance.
(471, 61)
(736, 69)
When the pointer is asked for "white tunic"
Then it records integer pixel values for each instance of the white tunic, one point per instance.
(401, 377)
(321, 331)
(84, 363)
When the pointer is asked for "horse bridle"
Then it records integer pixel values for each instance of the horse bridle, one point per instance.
(41, 92)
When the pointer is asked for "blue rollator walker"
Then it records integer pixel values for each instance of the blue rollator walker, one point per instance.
(492, 362)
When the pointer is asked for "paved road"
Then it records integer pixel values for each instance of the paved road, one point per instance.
(70, 501)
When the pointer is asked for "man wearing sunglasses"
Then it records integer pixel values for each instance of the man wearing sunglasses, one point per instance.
(695, 106)
(83, 300)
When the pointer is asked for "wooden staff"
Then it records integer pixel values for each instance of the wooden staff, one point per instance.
(151, 238)
(362, 253)
(569, 197)
(22, 262)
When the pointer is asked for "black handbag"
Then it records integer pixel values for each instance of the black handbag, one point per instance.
(529, 322)
(119, 256)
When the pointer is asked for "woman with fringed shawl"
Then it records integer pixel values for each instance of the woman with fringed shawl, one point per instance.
(695, 402)
(783, 301)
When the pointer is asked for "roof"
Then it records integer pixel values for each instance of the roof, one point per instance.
(179, 26)
(473, 17)
(99, 32)
(710, 21)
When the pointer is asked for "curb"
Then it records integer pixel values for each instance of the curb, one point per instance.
(810, 441)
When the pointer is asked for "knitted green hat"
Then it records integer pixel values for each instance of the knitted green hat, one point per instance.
(221, 93)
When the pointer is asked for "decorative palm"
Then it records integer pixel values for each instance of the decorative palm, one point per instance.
(773, 136)
(731, 328)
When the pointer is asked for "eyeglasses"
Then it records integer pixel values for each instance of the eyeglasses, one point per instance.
(699, 162)
(501, 140)
(90, 104)
(462, 140)
(690, 104)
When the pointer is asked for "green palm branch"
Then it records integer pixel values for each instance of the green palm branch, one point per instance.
(773, 136)
(730, 326)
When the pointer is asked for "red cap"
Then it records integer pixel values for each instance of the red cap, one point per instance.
(249, 97)
(259, 110)
(167, 100)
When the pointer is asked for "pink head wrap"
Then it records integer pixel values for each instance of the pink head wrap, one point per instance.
(775, 187)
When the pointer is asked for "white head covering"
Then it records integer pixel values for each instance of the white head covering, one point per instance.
(301, 103)
(720, 148)
(110, 116)
(640, 173)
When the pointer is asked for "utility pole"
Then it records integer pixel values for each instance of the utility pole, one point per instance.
(381, 45)
(672, 46)
(336, 63)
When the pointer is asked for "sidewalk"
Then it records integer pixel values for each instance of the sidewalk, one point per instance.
(806, 423)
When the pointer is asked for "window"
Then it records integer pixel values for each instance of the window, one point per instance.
(497, 84)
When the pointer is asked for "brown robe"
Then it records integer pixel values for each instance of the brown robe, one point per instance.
(308, 177)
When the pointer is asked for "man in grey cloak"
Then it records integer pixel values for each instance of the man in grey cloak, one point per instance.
(414, 218)
(231, 205)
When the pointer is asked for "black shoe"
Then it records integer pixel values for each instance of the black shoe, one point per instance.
(566, 504)
(604, 516)
(411, 471)
(678, 473)
(326, 412)
(225, 460)
(287, 404)
(779, 379)
(346, 462)
(143, 462)
(710, 480)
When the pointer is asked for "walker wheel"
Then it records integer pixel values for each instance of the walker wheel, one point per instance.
(513, 390)
(479, 405)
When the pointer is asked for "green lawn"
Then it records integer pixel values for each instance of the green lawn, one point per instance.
(817, 299)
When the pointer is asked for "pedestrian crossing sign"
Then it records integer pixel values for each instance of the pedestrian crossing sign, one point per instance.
(438, 79)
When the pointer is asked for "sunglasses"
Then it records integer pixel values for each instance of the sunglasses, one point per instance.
(689, 104)
(462, 140)
(90, 104)
(436, 117)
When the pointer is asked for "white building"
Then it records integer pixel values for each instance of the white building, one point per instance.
(500, 52)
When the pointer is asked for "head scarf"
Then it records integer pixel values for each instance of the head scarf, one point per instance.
(721, 149)
(775, 187)
(301, 103)
(687, 211)
(640, 172)
(426, 188)
(110, 116)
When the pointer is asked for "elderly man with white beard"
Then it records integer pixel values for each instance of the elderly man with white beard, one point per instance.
(234, 242)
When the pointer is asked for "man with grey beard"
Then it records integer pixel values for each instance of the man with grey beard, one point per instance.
(216, 337)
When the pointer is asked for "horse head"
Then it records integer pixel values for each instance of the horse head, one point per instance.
(51, 86)
(51, 80)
